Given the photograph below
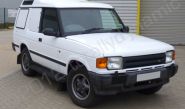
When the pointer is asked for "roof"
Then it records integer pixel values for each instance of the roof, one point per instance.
(64, 4)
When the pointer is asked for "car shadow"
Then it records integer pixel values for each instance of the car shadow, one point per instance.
(130, 100)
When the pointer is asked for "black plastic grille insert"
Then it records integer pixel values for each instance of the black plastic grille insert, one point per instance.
(143, 61)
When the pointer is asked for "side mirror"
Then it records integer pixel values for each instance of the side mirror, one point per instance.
(50, 32)
(127, 29)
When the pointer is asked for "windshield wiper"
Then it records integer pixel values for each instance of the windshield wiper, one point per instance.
(92, 30)
(102, 29)
(117, 30)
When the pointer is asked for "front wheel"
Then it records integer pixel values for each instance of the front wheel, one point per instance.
(26, 63)
(150, 91)
(80, 88)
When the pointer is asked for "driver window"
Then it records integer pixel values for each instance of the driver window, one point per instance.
(50, 20)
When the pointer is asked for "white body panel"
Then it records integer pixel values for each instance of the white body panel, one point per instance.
(122, 44)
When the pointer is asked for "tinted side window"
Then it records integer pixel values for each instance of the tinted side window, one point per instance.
(50, 20)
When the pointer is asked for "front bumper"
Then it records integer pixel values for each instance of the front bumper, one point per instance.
(116, 83)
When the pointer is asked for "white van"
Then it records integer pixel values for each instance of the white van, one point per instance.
(86, 46)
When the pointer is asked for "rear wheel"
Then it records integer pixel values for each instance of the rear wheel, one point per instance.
(150, 91)
(26, 63)
(80, 88)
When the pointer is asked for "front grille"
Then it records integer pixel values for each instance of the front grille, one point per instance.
(143, 61)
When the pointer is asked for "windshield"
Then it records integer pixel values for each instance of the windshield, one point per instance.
(84, 21)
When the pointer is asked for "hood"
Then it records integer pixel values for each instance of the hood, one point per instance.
(122, 44)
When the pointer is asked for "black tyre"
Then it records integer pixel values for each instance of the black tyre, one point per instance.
(150, 91)
(80, 88)
(26, 63)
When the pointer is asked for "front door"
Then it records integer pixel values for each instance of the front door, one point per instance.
(48, 52)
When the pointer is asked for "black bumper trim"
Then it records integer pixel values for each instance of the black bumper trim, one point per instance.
(116, 83)
(14, 46)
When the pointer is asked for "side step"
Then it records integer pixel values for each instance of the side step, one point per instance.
(56, 76)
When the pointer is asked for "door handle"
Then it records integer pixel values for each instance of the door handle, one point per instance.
(40, 39)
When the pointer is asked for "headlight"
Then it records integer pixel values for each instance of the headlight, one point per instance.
(170, 56)
(115, 63)
(111, 63)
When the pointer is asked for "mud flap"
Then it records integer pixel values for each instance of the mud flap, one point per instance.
(19, 59)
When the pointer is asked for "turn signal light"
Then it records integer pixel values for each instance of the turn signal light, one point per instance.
(101, 63)
(174, 55)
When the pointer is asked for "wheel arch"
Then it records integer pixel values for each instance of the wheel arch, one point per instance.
(73, 64)
(22, 46)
